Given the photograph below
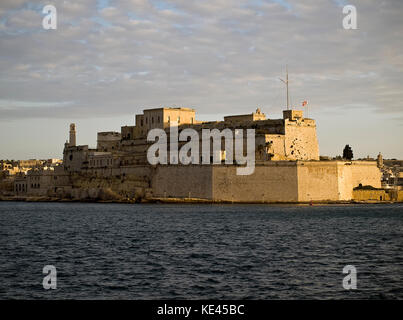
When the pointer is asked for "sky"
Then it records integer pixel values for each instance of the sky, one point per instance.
(108, 60)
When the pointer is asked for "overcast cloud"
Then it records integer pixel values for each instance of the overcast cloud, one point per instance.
(111, 59)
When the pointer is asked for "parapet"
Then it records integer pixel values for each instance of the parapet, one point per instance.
(254, 116)
(293, 114)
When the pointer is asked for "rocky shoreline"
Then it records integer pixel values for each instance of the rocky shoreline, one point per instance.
(179, 200)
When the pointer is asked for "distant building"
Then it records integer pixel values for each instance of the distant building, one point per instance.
(379, 160)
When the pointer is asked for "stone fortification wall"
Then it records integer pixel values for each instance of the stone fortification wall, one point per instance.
(318, 181)
(177, 181)
(277, 181)
(334, 180)
(271, 182)
(301, 142)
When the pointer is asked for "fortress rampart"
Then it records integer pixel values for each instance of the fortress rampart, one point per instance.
(277, 181)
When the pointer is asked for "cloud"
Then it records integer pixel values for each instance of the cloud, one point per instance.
(218, 55)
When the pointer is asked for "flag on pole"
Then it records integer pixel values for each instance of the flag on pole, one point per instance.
(304, 103)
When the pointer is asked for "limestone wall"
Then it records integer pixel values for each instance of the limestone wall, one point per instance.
(163, 117)
(276, 181)
(318, 181)
(108, 141)
(183, 181)
(376, 195)
(335, 180)
(74, 157)
(366, 173)
(271, 182)
(301, 142)
(277, 146)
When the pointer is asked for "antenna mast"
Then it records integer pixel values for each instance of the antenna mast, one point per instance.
(286, 83)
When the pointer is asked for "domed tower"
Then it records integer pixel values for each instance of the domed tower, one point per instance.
(379, 160)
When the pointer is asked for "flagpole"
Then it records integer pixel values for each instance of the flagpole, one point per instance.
(287, 88)
(305, 104)
(286, 83)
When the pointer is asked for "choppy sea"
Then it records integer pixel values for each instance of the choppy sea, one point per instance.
(157, 251)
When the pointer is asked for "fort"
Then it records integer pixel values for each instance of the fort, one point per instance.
(190, 152)
(287, 165)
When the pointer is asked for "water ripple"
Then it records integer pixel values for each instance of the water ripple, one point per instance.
(119, 251)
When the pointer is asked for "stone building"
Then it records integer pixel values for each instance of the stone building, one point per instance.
(98, 159)
(39, 181)
(108, 141)
(20, 184)
(291, 138)
(287, 164)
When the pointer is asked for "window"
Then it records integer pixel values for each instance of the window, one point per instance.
(141, 122)
(146, 120)
(159, 119)
(179, 119)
